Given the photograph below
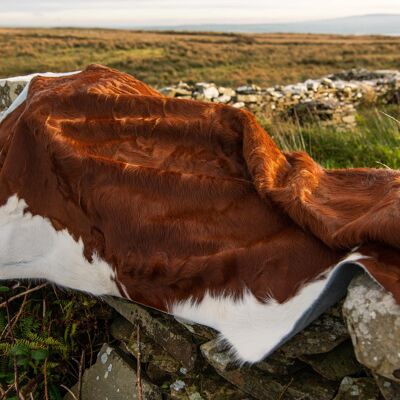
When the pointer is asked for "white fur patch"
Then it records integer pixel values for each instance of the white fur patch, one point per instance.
(255, 329)
(31, 248)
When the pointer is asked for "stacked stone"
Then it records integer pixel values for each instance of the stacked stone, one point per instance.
(312, 101)
(329, 112)
(9, 91)
(185, 361)
(331, 100)
(381, 86)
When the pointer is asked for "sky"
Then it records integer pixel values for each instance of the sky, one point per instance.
(136, 13)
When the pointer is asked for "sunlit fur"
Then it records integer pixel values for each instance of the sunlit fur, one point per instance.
(24, 94)
(109, 187)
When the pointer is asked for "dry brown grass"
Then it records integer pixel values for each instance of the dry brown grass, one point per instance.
(160, 58)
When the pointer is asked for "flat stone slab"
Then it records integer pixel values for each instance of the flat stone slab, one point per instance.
(150, 351)
(113, 377)
(162, 328)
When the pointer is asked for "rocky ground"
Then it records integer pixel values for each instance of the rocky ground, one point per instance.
(350, 352)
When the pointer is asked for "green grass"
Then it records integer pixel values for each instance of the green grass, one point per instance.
(373, 143)
(44, 337)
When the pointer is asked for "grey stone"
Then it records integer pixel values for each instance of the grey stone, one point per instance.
(121, 329)
(249, 98)
(199, 96)
(279, 364)
(349, 119)
(312, 85)
(208, 90)
(264, 386)
(168, 91)
(390, 390)
(276, 94)
(239, 104)
(373, 320)
(223, 99)
(323, 335)
(178, 385)
(182, 92)
(309, 386)
(227, 91)
(184, 85)
(248, 89)
(113, 377)
(150, 351)
(357, 388)
(211, 92)
(335, 364)
(201, 332)
(161, 328)
(328, 82)
(9, 91)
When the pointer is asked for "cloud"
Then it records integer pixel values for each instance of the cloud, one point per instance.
(171, 12)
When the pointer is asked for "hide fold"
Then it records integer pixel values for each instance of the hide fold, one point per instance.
(109, 187)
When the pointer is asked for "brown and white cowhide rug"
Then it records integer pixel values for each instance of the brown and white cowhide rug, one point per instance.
(107, 186)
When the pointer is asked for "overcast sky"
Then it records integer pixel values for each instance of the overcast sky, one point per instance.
(131, 13)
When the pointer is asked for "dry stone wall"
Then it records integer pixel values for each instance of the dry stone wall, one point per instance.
(9, 91)
(184, 361)
(331, 100)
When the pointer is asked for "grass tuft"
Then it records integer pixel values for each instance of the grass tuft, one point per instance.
(373, 143)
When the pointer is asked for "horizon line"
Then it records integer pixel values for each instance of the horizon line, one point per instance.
(178, 25)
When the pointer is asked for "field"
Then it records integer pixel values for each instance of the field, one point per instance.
(164, 58)
(47, 335)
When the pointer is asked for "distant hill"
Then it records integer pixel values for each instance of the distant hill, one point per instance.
(379, 24)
